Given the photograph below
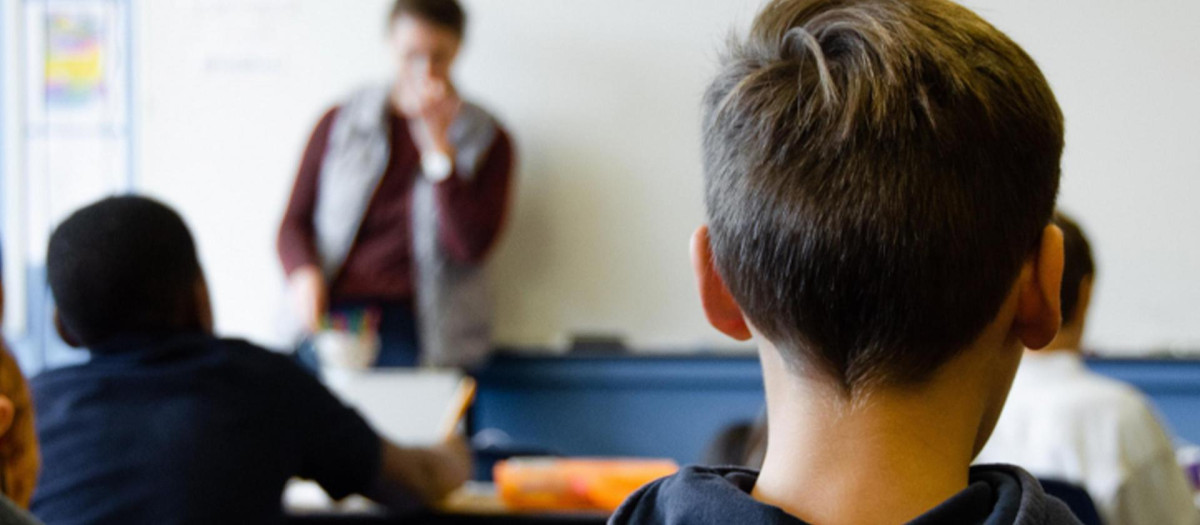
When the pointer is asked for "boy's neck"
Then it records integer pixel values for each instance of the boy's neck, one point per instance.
(885, 457)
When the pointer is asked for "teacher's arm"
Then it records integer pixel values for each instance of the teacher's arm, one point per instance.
(473, 211)
(296, 242)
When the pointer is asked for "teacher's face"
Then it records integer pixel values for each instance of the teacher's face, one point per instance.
(424, 52)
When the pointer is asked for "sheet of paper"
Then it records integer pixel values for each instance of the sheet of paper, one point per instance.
(405, 406)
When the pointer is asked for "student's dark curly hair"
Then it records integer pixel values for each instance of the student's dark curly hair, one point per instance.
(123, 266)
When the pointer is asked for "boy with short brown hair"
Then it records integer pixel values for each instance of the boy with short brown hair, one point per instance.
(880, 182)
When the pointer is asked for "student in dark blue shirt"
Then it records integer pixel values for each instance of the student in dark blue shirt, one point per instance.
(167, 423)
(881, 176)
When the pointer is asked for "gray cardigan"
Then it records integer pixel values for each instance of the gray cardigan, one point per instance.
(452, 304)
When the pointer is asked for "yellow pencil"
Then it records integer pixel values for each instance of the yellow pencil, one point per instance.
(464, 395)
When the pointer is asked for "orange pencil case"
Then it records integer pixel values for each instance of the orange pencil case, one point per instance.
(554, 484)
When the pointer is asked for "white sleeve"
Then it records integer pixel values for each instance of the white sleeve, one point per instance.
(1155, 490)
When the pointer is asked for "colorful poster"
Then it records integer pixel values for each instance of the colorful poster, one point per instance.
(77, 64)
(75, 59)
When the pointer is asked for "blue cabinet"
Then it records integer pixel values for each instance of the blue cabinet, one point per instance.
(672, 406)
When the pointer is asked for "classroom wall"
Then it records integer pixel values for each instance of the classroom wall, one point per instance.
(231, 90)
(602, 97)
(608, 185)
(1126, 75)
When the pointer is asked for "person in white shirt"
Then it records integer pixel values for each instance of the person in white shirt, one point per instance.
(1066, 423)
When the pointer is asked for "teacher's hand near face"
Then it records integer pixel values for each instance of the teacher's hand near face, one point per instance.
(431, 105)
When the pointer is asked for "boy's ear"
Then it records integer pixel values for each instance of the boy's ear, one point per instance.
(1039, 307)
(720, 308)
(65, 334)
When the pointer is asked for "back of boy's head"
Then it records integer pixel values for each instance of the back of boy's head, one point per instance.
(120, 267)
(1078, 264)
(877, 173)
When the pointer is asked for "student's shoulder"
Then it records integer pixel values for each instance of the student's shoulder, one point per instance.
(267, 372)
(50, 382)
(1098, 393)
(644, 505)
(1107, 407)
(246, 363)
(1080, 395)
(242, 345)
(1017, 498)
(51, 376)
(700, 495)
(252, 356)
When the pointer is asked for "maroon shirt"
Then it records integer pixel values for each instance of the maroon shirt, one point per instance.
(380, 263)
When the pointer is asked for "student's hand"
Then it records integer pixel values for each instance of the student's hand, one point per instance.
(424, 475)
(310, 295)
(455, 455)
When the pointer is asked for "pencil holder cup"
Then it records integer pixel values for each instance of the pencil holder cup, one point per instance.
(346, 350)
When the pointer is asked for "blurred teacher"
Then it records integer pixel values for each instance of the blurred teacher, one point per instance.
(400, 195)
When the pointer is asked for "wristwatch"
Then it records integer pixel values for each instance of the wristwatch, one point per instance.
(437, 166)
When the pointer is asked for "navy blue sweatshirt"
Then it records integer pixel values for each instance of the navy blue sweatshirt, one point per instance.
(190, 429)
(997, 495)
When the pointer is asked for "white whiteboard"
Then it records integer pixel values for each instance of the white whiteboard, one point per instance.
(603, 98)
(1127, 75)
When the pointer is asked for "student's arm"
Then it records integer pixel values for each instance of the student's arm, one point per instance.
(422, 476)
(1154, 490)
(1156, 494)
(472, 212)
(340, 451)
